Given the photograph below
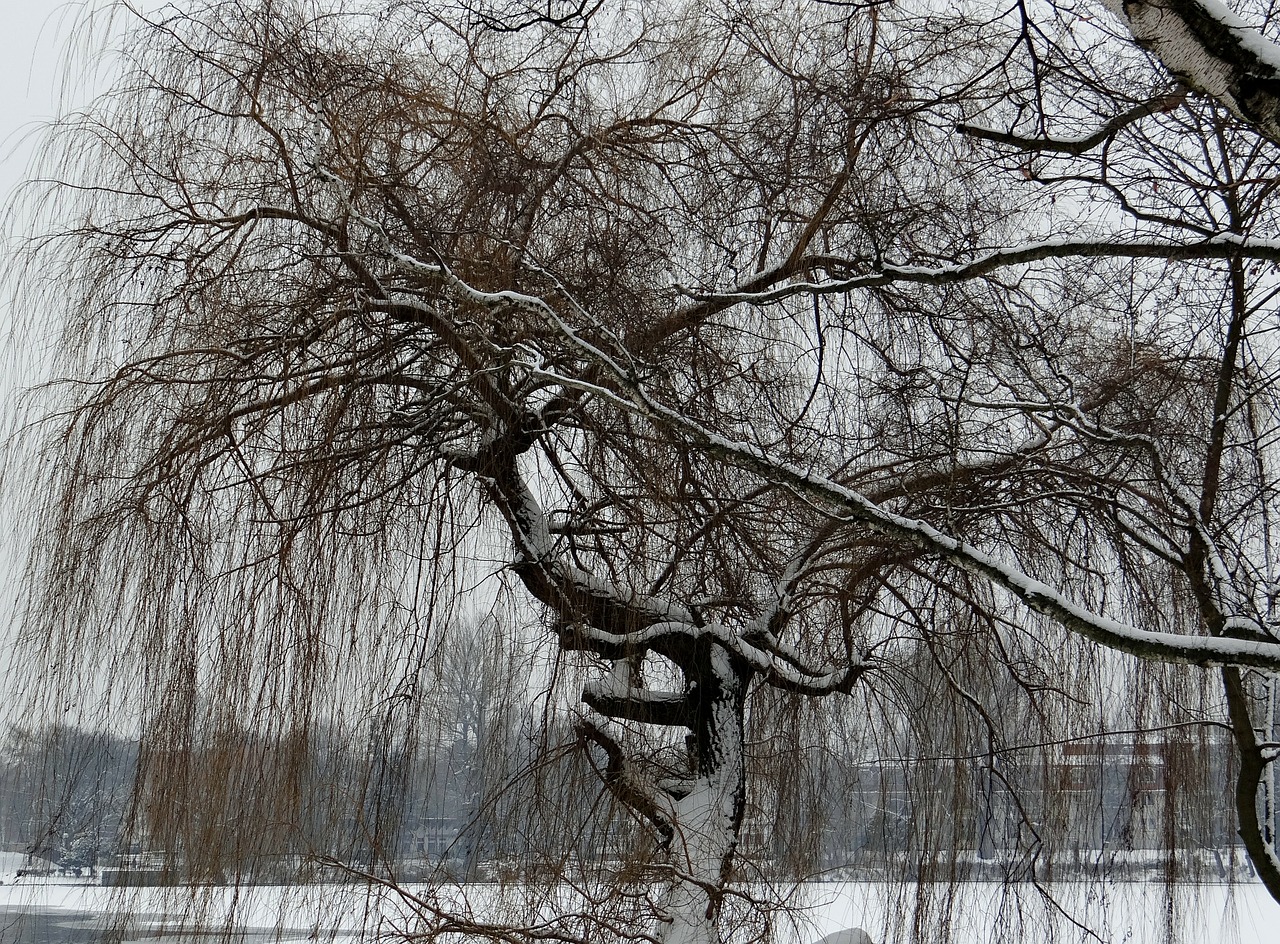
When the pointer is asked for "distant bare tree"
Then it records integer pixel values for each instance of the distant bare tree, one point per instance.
(790, 409)
(66, 794)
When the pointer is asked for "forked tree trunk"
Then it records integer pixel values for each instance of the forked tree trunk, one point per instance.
(709, 818)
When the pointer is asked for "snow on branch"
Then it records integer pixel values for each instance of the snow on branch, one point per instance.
(638, 704)
(781, 667)
(1227, 599)
(1035, 594)
(596, 615)
(1225, 246)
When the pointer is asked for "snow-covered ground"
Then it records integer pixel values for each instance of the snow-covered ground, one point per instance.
(1129, 912)
(1123, 913)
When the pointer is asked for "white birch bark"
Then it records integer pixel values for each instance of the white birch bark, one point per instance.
(1210, 49)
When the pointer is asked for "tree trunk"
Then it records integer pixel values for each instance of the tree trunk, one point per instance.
(709, 818)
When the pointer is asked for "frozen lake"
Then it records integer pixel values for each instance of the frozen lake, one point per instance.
(64, 926)
(1123, 913)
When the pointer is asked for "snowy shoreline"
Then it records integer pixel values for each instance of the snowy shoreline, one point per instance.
(1134, 913)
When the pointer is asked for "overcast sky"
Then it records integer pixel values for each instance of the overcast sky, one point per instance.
(32, 43)
(33, 38)
(46, 59)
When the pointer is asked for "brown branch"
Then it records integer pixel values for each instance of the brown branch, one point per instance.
(619, 778)
(1082, 145)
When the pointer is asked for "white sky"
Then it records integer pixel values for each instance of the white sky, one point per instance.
(45, 71)
(33, 36)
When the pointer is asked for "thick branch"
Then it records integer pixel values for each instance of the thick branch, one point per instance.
(1253, 767)
(1226, 246)
(595, 615)
(1080, 145)
(623, 783)
(638, 704)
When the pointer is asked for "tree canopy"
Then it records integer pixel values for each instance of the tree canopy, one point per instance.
(777, 370)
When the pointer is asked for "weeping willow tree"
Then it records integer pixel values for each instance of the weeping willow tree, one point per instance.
(699, 346)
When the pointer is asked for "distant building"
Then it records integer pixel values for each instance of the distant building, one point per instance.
(434, 838)
(1117, 803)
(1115, 794)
